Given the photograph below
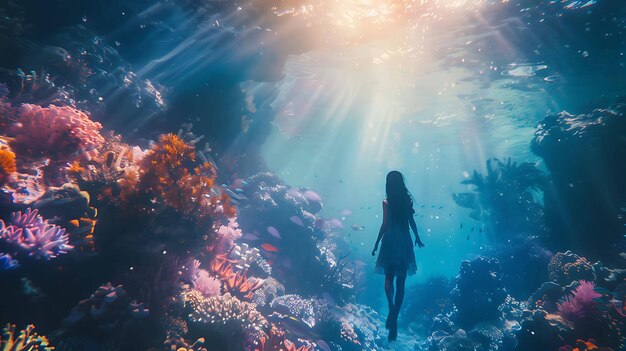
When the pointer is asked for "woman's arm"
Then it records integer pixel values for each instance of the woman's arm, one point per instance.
(383, 228)
(418, 242)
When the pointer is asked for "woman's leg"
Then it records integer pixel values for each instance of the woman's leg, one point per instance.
(399, 291)
(389, 290)
(389, 293)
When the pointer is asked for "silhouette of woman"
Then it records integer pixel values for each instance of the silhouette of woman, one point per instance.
(396, 258)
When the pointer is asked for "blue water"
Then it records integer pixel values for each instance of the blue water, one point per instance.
(301, 108)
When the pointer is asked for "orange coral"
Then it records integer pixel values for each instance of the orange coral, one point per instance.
(236, 283)
(7, 165)
(581, 345)
(169, 175)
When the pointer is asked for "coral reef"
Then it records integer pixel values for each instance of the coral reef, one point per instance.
(26, 340)
(478, 292)
(7, 165)
(7, 262)
(581, 345)
(206, 284)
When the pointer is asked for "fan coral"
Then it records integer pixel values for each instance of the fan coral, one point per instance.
(7, 165)
(31, 233)
(580, 304)
(107, 310)
(167, 176)
(27, 339)
(7, 262)
(566, 267)
(229, 314)
(60, 133)
(581, 345)
(207, 285)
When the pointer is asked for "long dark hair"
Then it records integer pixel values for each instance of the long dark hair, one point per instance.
(398, 197)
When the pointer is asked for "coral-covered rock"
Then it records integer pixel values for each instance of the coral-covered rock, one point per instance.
(581, 345)
(478, 292)
(7, 165)
(567, 267)
(106, 312)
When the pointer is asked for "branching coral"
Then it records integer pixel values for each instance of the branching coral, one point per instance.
(275, 341)
(26, 340)
(237, 283)
(32, 234)
(229, 314)
(60, 133)
(169, 176)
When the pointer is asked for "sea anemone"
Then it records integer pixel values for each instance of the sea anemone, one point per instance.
(26, 340)
(32, 234)
(580, 305)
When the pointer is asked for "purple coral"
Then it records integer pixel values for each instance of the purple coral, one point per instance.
(31, 233)
(581, 304)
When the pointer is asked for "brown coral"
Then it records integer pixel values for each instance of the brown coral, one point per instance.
(7, 165)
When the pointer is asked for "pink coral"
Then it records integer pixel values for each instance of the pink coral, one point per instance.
(206, 284)
(581, 304)
(228, 234)
(59, 133)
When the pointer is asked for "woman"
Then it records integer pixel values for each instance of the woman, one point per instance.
(396, 258)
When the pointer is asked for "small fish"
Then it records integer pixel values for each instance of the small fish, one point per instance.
(357, 227)
(461, 226)
(274, 232)
(467, 236)
(433, 206)
(296, 220)
(322, 345)
(312, 196)
(480, 230)
(422, 206)
(471, 230)
(440, 207)
(269, 248)
(347, 212)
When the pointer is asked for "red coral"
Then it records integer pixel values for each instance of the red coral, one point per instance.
(236, 283)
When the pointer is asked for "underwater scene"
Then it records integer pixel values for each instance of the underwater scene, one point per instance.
(313, 175)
